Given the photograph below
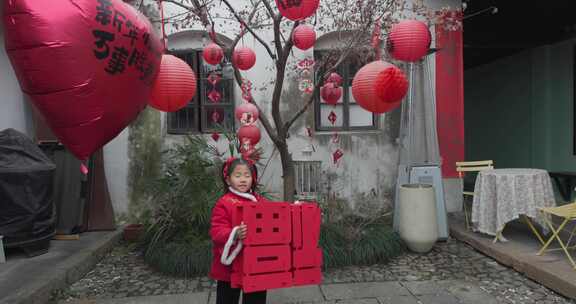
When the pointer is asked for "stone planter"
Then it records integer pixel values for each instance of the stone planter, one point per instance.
(418, 226)
(132, 232)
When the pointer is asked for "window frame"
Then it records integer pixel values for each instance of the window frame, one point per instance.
(200, 104)
(344, 71)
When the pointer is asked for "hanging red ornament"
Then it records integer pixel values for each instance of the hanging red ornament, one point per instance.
(217, 115)
(246, 89)
(212, 53)
(243, 58)
(337, 155)
(214, 78)
(332, 117)
(368, 81)
(330, 93)
(297, 10)
(307, 63)
(249, 133)
(409, 40)
(334, 78)
(174, 86)
(309, 131)
(304, 36)
(215, 136)
(215, 96)
(306, 86)
(376, 39)
(247, 113)
(391, 85)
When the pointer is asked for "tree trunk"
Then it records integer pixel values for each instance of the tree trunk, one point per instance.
(289, 181)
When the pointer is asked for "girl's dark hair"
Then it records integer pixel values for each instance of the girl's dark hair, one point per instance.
(232, 165)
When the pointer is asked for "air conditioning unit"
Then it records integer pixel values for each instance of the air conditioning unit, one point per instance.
(431, 175)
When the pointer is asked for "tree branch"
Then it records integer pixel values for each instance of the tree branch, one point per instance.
(249, 28)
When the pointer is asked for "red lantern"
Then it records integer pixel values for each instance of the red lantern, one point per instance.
(330, 93)
(297, 10)
(249, 134)
(247, 113)
(76, 67)
(335, 78)
(409, 40)
(243, 58)
(304, 37)
(374, 77)
(391, 85)
(175, 85)
(212, 54)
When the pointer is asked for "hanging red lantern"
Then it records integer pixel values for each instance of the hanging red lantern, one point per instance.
(174, 86)
(247, 113)
(212, 54)
(372, 78)
(330, 93)
(243, 58)
(409, 40)
(334, 78)
(249, 134)
(304, 36)
(297, 10)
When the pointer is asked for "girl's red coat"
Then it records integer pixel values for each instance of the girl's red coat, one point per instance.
(220, 228)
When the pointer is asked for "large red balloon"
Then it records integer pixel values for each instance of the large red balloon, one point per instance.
(247, 113)
(243, 58)
(331, 93)
(175, 85)
(87, 65)
(297, 10)
(409, 40)
(371, 79)
(304, 37)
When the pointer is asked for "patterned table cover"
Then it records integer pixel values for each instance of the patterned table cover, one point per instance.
(502, 195)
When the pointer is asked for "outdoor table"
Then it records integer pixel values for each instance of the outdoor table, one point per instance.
(502, 195)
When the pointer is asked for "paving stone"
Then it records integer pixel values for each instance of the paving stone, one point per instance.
(362, 290)
(438, 299)
(295, 294)
(398, 300)
(424, 287)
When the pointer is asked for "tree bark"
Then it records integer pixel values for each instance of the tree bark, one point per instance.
(288, 177)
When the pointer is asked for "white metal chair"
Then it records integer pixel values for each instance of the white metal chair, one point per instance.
(471, 166)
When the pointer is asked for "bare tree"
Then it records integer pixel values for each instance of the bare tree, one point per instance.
(352, 20)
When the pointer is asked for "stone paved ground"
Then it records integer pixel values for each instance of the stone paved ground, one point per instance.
(124, 274)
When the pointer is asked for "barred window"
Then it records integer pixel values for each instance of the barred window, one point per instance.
(307, 179)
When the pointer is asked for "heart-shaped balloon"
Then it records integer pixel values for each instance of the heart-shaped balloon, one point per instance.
(88, 65)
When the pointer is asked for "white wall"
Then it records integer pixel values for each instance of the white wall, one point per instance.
(15, 110)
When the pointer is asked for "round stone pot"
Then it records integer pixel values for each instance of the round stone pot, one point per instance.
(418, 226)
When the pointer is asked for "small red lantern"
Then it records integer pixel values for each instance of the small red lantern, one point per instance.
(409, 40)
(330, 93)
(243, 58)
(174, 86)
(212, 54)
(379, 87)
(304, 37)
(247, 113)
(335, 78)
(297, 10)
(249, 134)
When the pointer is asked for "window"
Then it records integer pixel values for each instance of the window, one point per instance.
(307, 179)
(347, 114)
(212, 108)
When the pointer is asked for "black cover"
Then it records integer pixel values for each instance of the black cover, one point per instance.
(26, 190)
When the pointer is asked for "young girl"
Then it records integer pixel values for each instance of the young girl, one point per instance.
(239, 178)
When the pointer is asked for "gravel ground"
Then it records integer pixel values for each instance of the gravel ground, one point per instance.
(124, 274)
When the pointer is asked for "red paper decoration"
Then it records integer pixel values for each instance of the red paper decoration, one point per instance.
(214, 78)
(409, 40)
(212, 53)
(243, 58)
(337, 155)
(332, 117)
(175, 85)
(247, 113)
(214, 96)
(249, 134)
(334, 78)
(297, 10)
(215, 136)
(304, 36)
(74, 62)
(330, 93)
(374, 83)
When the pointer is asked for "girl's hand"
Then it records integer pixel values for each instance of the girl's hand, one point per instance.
(297, 202)
(241, 233)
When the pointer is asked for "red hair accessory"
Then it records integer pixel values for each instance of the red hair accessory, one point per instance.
(227, 166)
